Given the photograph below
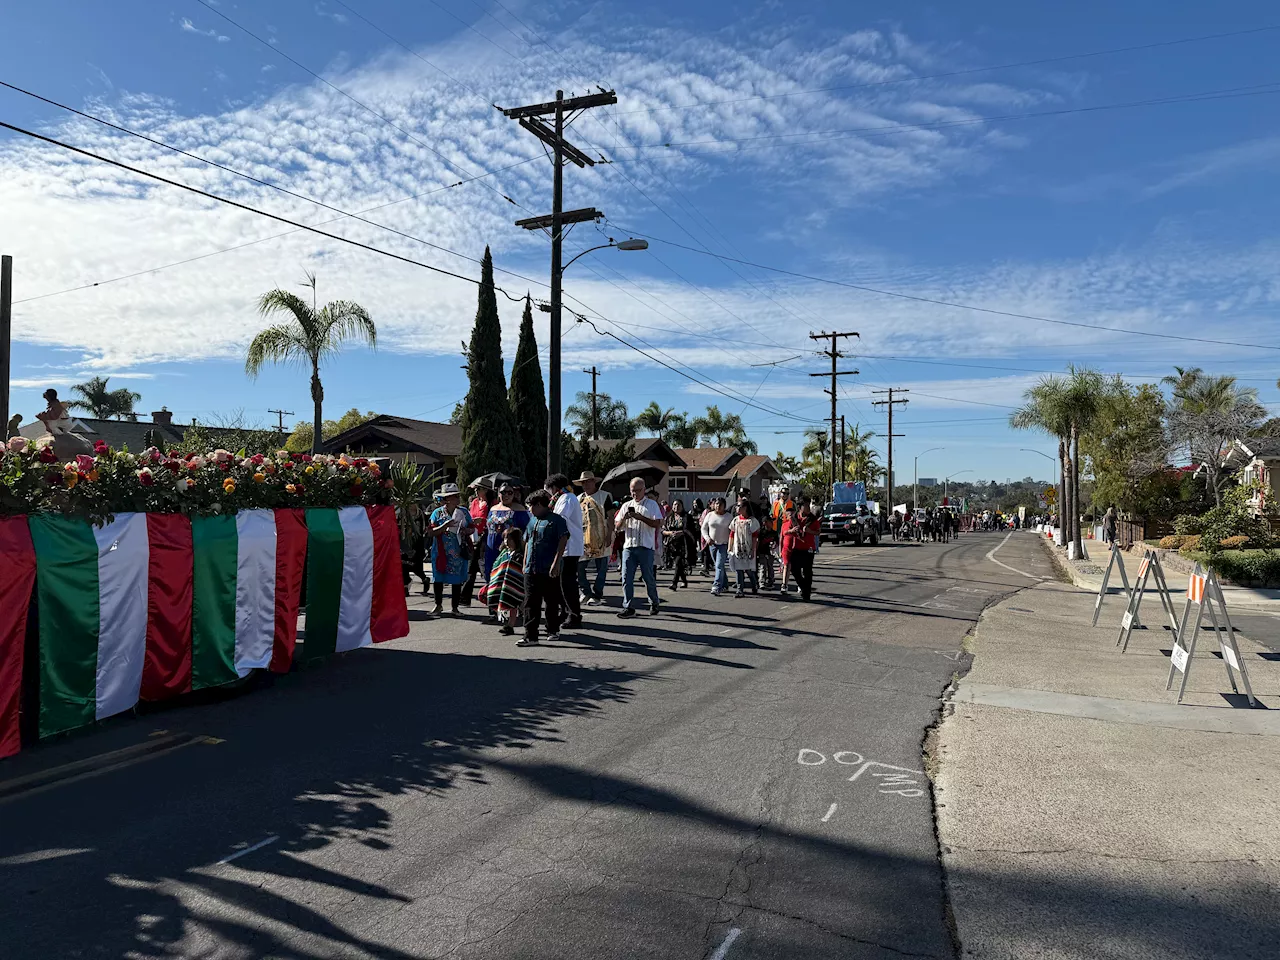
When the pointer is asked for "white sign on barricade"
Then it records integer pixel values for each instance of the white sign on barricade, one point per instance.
(1204, 591)
(1117, 560)
(1150, 566)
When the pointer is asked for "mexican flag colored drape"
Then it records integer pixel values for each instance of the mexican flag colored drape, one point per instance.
(150, 605)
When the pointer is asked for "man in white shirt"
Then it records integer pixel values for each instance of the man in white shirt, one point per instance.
(567, 506)
(640, 519)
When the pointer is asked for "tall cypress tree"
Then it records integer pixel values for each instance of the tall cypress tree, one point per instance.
(489, 438)
(529, 401)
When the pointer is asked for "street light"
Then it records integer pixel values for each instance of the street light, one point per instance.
(915, 477)
(1052, 460)
(553, 359)
(948, 480)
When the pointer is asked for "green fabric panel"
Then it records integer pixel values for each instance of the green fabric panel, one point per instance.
(215, 549)
(324, 581)
(67, 591)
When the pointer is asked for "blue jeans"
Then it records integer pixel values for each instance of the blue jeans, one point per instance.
(601, 565)
(720, 554)
(642, 558)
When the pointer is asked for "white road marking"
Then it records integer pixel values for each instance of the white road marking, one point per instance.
(829, 813)
(726, 630)
(991, 555)
(722, 951)
(257, 846)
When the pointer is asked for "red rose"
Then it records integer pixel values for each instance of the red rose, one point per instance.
(305, 457)
(100, 446)
(360, 462)
(225, 466)
(172, 466)
(47, 455)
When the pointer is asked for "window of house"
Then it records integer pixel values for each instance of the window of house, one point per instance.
(679, 483)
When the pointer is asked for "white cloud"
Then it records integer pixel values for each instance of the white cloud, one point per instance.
(189, 27)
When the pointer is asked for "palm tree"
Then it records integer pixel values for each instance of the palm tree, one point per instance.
(611, 422)
(722, 428)
(1044, 408)
(861, 460)
(306, 337)
(1084, 398)
(103, 404)
(1210, 412)
(816, 442)
(658, 421)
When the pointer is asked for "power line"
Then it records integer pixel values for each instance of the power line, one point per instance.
(1042, 61)
(950, 303)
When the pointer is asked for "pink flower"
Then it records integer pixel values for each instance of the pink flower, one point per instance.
(100, 446)
(17, 444)
(145, 477)
(223, 456)
(84, 462)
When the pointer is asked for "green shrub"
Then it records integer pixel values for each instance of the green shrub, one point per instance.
(1188, 524)
(1258, 568)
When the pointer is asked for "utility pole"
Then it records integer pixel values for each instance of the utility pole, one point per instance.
(281, 414)
(844, 448)
(556, 221)
(6, 325)
(835, 356)
(595, 413)
(888, 486)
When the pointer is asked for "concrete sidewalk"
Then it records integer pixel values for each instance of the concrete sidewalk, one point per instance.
(1083, 813)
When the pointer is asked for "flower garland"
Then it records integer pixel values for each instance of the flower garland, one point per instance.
(97, 487)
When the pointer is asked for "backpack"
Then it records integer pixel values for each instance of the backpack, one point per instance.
(596, 538)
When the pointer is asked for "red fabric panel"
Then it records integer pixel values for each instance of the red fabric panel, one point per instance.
(167, 669)
(17, 579)
(291, 560)
(389, 619)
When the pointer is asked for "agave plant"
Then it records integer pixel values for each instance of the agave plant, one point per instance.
(410, 485)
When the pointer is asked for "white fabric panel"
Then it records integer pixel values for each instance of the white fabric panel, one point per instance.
(255, 589)
(123, 556)
(355, 608)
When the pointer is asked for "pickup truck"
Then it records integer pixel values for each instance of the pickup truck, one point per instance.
(841, 523)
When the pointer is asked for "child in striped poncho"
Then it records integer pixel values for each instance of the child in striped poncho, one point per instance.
(504, 592)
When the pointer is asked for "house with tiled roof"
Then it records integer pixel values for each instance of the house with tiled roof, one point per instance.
(720, 470)
(132, 434)
(434, 446)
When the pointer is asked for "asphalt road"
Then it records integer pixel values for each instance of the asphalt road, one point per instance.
(731, 779)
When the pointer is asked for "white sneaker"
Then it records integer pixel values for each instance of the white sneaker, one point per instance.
(594, 602)
(715, 592)
(553, 638)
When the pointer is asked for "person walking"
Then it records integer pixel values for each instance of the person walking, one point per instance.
(597, 539)
(503, 591)
(482, 499)
(679, 543)
(565, 504)
(699, 512)
(1110, 521)
(508, 513)
(638, 520)
(449, 531)
(743, 541)
(715, 531)
(799, 540)
(546, 540)
(766, 541)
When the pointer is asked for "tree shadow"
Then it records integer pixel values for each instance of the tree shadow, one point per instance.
(128, 862)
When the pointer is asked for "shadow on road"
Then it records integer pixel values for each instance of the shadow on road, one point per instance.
(126, 864)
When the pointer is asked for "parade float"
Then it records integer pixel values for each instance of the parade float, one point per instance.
(139, 577)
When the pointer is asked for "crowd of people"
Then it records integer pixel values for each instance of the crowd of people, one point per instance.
(540, 556)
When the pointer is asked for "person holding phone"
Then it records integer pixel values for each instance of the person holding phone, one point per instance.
(639, 520)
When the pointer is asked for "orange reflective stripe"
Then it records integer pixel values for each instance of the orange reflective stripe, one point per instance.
(1195, 589)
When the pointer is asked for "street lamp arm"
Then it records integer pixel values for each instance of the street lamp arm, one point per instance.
(584, 252)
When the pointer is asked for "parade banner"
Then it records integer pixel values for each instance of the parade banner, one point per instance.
(17, 578)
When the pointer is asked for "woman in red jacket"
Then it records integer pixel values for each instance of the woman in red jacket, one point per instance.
(799, 541)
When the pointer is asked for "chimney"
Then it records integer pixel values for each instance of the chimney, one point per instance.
(162, 417)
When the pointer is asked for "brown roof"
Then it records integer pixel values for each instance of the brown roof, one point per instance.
(403, 435)
(705, 459)
(749, 464)
(131, 433)
(646, 448)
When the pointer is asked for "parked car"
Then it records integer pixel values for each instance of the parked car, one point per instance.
(844, 523)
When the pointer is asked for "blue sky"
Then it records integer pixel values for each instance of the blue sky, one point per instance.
(1158, 217)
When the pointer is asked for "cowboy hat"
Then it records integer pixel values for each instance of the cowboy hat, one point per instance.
(448, 490)
(587, 475)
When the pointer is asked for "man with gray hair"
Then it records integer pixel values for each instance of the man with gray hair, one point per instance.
(640, 520)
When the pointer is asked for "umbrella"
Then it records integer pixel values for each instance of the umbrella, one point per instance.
(652, 473)
(494, 480)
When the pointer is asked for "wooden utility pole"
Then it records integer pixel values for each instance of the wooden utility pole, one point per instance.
(281, 414)
(888, 485)
(595, 411)
(835, 356)
(6, 330)
(556, 221)
(844, 449)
